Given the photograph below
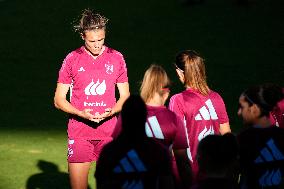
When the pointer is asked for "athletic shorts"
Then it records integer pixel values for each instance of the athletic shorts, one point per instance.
(81, 150)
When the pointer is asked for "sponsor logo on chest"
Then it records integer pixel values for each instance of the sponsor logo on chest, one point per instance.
(97, 88)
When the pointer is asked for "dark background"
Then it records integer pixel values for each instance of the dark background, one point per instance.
(242, 45)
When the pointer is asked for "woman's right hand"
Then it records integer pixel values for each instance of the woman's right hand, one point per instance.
(86, 114)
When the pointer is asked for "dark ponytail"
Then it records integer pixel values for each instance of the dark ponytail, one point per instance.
(266, 96)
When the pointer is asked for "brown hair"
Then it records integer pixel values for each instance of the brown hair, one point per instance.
(193, 68)
(90, 21)
(155, 79)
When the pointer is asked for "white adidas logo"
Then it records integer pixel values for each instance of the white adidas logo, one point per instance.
(153, 128)
(207, 114)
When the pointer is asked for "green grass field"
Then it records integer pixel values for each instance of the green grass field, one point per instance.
(242, 46)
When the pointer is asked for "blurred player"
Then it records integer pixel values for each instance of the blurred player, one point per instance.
(261, 144)
(91, 73)
(162, 124)
(133, 160)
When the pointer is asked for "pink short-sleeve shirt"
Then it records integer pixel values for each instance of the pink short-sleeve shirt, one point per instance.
(202, 116)
(163, 125)
(92, 86)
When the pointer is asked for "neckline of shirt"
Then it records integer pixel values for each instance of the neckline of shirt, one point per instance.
(92, 56)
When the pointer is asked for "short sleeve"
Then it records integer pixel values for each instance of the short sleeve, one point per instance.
(221, 110)
(65, 72)
(175, 105)
(180, 140)
(122, 70)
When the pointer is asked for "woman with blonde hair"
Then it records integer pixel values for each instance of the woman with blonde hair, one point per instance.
(201, 108)
(162, 124)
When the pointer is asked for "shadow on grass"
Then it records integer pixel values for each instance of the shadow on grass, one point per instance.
(50, 177)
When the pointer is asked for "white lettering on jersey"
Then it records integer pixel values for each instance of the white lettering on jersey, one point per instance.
(109, 68)
(95, 104)
(95, 88)
(207, 113)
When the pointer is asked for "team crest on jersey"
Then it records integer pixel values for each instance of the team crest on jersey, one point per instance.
(81, 69)
(109, 68)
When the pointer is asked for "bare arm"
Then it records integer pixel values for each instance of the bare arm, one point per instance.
(224, 128)
(61, 103)
(123, 89)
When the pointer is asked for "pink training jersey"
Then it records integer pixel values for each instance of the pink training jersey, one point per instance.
(202, 116)
(92, 87)
(163, 125)
(277, 115)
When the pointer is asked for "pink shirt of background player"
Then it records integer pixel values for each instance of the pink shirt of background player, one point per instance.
(277, 115)
(202, 116)
(163, 125)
